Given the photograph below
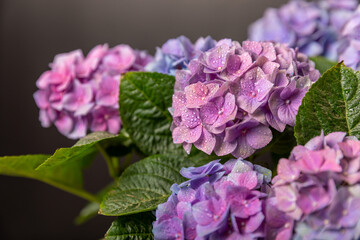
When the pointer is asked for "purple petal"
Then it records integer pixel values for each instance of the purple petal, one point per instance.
(169, 229)
(243, 148)
(258, 137)
(209, 113)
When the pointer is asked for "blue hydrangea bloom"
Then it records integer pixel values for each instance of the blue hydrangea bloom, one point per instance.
(313, 27)
(176, 53)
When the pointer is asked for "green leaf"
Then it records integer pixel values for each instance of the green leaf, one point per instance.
(83, 151)
(67, 178)
(144, 102)
(133, 227)
(332, 104)
(322, 64)
(146, 184)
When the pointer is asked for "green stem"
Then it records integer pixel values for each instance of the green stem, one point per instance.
(108, 160)
(78, 192)
(116, 164)
(128, 159)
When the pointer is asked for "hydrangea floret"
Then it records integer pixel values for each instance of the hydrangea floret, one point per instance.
(176, 53)
(314, 27)
(349, 48)
(217, 202)
(81, 93)
(317, 191)
(230, 96)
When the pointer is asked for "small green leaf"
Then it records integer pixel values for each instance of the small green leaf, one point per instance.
(88, 212)
(332, 104)
(133, 227)
(67, 178)
(93, 137)
(144, 102)
(146, 184)
(83, 151)
(322, 64)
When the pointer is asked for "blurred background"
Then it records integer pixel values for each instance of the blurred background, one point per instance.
(32, 32)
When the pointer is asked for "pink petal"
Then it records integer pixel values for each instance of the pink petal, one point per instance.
(64, 124)
(287, 171)
(114, 125)
(206, 143)
(41, 99)
(183, 134)
(190, 117)
(178, 103)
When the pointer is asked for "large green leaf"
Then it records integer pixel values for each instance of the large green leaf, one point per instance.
(144, 102)
(146, 184)
(332, 104)
(133, 227)
(322, 64)
(84, 150)
(67, 178)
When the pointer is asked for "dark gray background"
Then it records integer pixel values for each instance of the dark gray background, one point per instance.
(31, 33)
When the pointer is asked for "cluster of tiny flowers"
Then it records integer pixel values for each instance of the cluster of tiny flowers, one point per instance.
(230, 95)
(81, 93)
(317, 191)
(176, 53)
(218, 202)
(313, 27)
(349, 47)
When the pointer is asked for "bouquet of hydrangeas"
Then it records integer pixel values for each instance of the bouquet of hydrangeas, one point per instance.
(238, 140)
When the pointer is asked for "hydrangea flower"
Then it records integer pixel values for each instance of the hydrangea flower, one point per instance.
(317, 191)
(313, 27)
(176, 53)
(81, 93)
(230, 96)
(225, 203)
(349, 49)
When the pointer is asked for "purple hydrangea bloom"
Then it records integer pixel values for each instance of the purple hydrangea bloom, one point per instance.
(317, 191)
(176, 53)
(225, 207)
(313, 27)
(81, 93)
(349, 48)
(230, 96)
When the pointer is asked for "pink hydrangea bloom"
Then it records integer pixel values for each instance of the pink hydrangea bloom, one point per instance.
(317, 191)
(80, 93)
(230, 96)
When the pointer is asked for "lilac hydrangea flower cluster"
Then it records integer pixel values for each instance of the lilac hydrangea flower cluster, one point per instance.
(313, 27)
(81, 93)
(217, 202)
(349, 47)
(317, 191)
(176, 53)
(230, 95)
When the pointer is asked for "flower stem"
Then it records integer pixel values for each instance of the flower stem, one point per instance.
(128, 159)
(109, 162)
